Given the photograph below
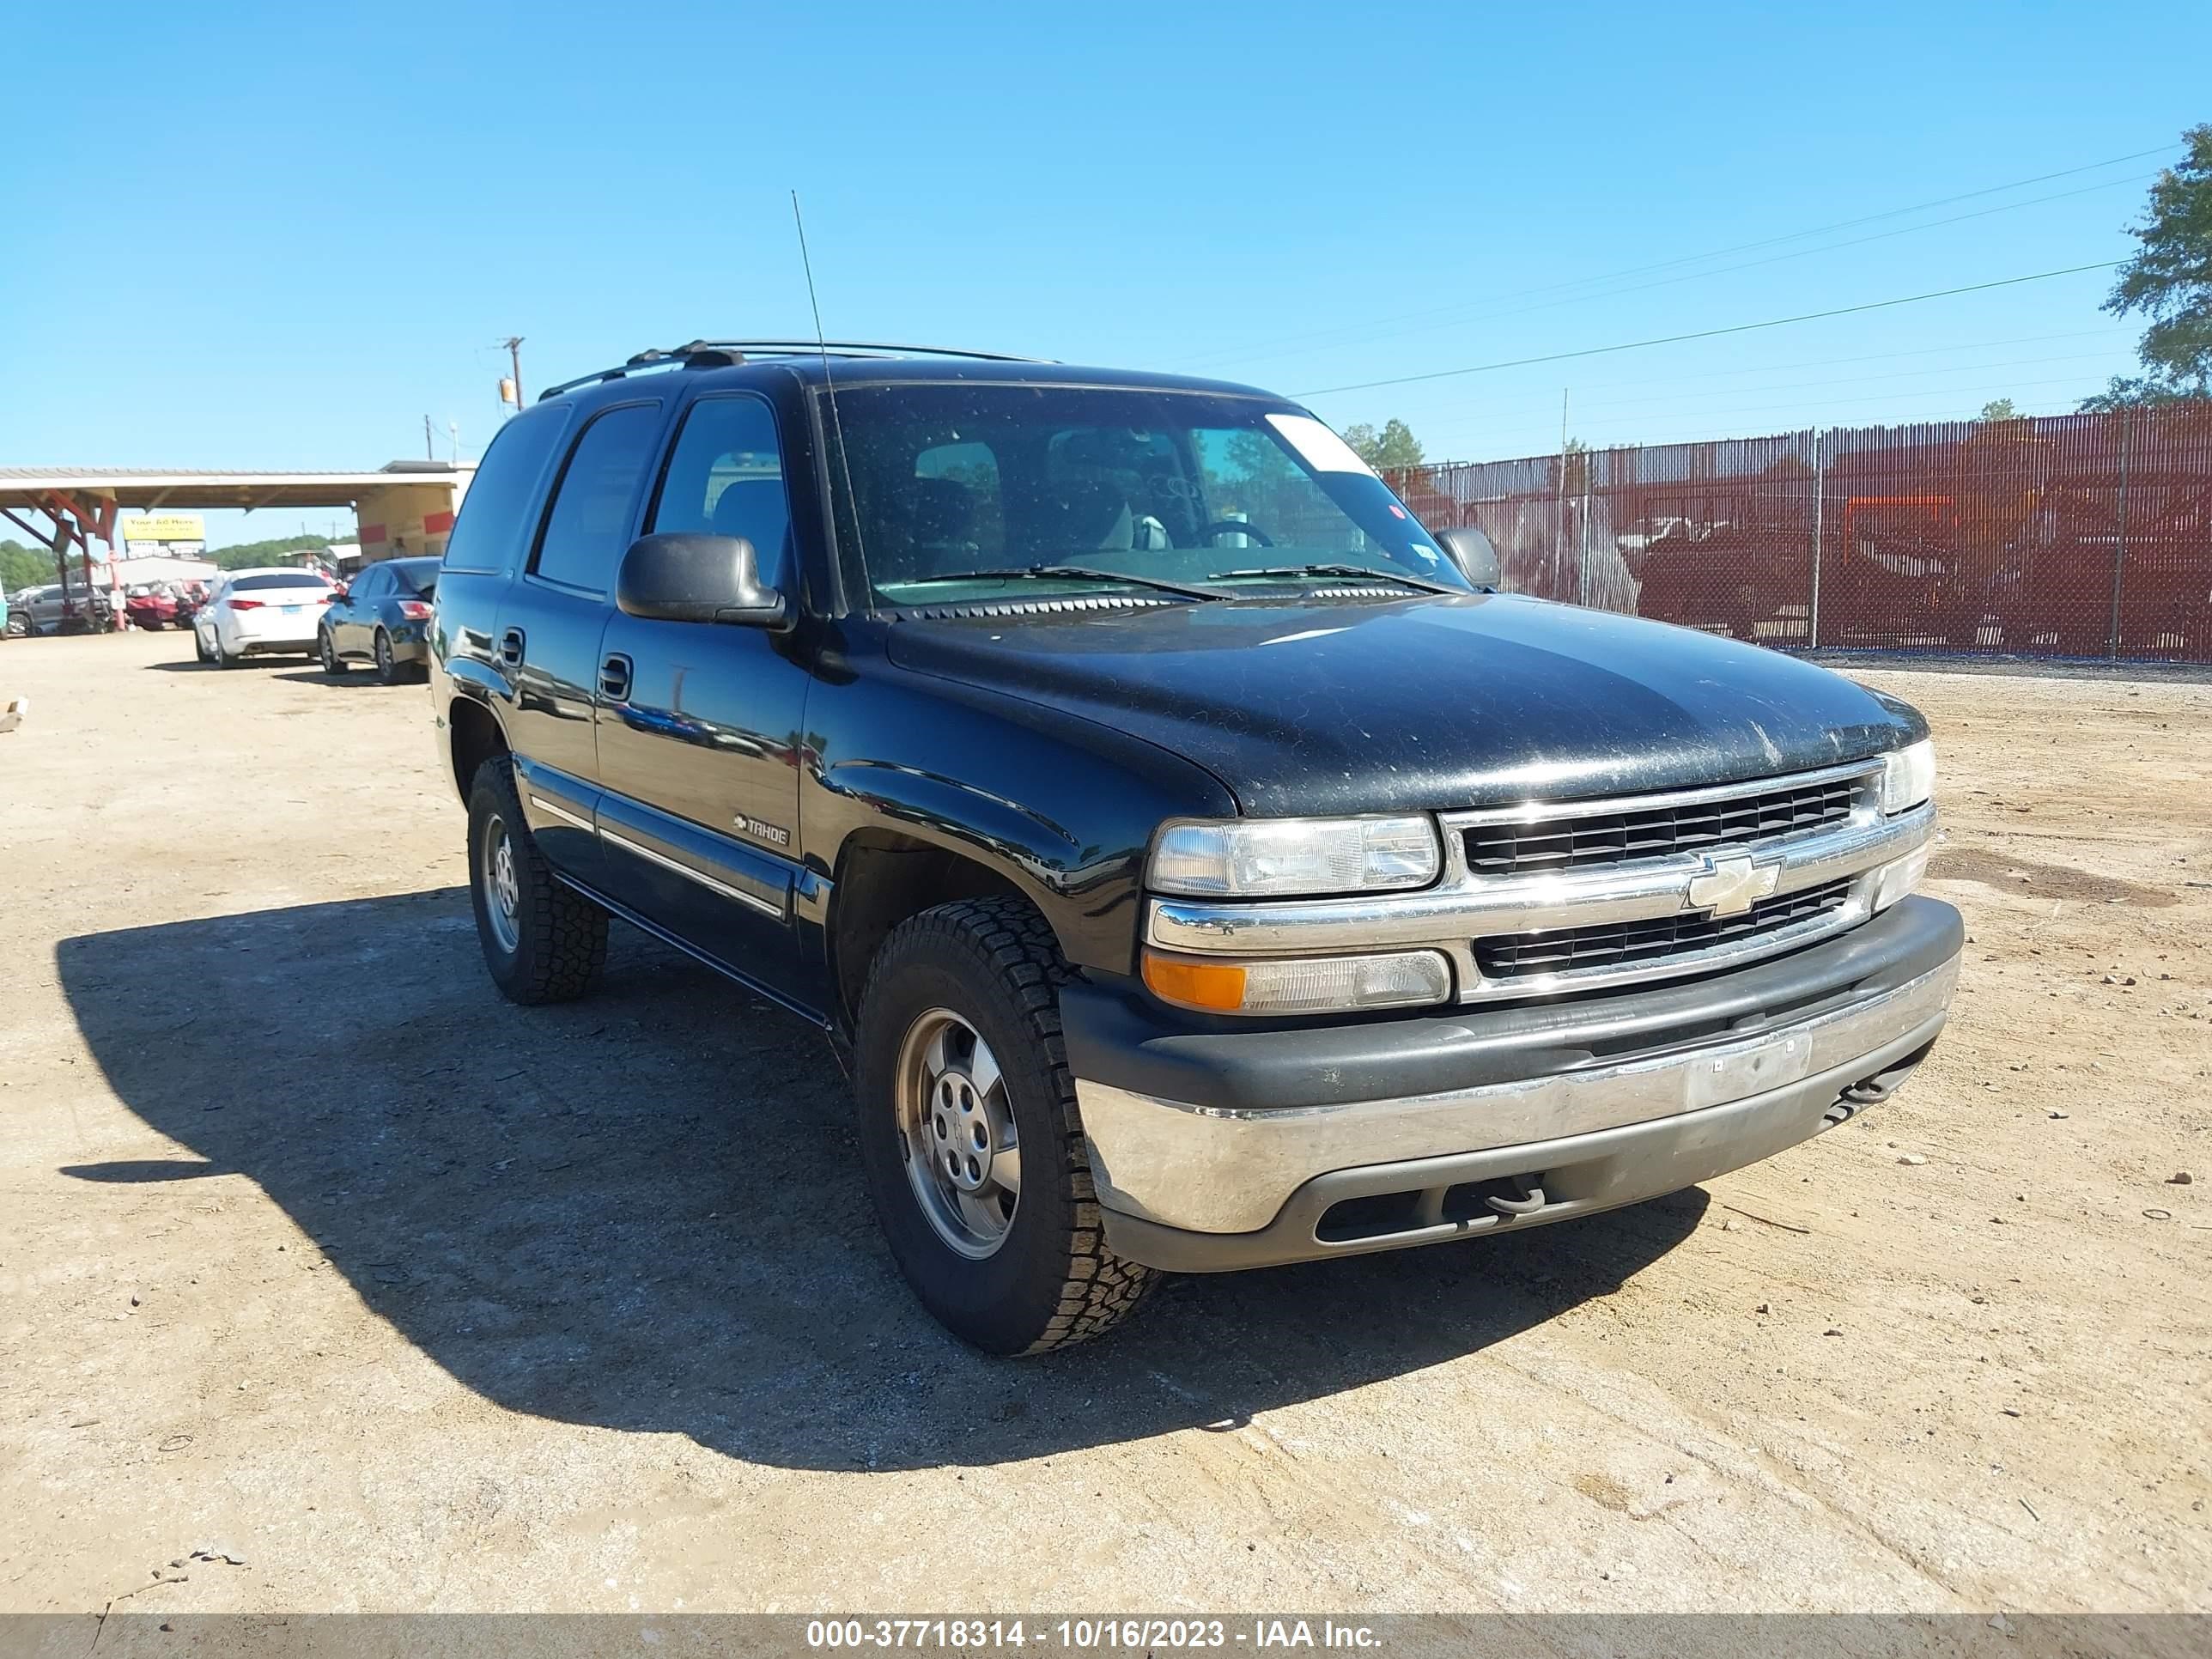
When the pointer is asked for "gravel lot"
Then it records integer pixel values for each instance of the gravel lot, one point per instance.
(318, 1256)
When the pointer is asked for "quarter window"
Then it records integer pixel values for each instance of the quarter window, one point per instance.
(586, 532)
(725, 478)
(497, 507)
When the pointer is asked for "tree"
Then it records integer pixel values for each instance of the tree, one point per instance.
(24, 567)
(1395, 446)
(2000, 409)
(244, 555)
(2169, 280)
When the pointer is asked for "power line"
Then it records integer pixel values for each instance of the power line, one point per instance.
(1679, 395)
(1748, 265)
(2006, 387)
(2114, 332)
(1244, 353)
(1707, 333)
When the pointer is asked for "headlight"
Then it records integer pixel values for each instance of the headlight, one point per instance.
(1272, 858)
(1320, 985)
(1908, 777)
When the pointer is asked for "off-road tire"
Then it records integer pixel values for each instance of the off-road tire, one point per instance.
(562, 936)
(326, 648)
(1053, 1282)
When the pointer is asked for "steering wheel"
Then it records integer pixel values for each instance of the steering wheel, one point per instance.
(1224, 526)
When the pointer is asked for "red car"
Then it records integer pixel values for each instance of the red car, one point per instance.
(150, 606)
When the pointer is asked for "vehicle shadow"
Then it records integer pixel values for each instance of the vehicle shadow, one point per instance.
(193, 665)
(643, 1210)
(361, 677)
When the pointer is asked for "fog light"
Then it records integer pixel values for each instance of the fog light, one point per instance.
(1323, 984)
(1900, 877)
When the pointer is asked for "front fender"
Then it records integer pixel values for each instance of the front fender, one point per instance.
(1062, 807)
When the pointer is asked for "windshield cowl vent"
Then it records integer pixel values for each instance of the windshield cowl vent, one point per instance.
(1064, 605)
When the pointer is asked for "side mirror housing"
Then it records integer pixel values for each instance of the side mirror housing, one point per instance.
(698, 579)
(1470, 549)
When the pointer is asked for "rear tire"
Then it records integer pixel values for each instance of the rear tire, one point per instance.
(984, 976)
(388, 671)
(543, 940)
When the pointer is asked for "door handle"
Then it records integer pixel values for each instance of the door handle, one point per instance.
(510, 647)
(615, 677)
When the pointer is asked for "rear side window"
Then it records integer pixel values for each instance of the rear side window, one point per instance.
(285, 579)
(585, 533)
(500, 507)
(725, 478)
(370, 585)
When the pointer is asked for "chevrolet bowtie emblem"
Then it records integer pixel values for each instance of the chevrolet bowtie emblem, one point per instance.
(1730, 885)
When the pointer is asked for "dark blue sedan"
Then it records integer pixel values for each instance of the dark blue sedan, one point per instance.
(383, 616)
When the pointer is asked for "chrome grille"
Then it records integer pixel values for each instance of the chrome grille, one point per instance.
(1550, 898)
(1564, 839)
(1622, 945)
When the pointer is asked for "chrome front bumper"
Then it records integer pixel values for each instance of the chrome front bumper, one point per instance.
(1192, 1189)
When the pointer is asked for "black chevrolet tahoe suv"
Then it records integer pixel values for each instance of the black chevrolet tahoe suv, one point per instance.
(1197, 862)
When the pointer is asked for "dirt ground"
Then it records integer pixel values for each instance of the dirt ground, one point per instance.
(319, 1259)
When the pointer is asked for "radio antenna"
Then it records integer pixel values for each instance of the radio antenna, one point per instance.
(828, 380)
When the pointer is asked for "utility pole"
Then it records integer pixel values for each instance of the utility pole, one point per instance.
(429, 440)
(514, 344)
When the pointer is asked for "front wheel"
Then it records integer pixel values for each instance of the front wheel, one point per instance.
(325, 648)
(969, 1136)
(543, 940)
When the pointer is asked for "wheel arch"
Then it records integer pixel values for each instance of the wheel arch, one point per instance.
(473, 735)
(885, 877)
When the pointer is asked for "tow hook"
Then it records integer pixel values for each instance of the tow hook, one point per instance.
(1530, 1201)
(1868, 1091)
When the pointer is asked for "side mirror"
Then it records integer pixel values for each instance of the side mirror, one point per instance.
(696, 578)
(1470, 549)
(339, 593)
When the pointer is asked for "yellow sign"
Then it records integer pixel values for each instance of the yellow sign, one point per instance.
(163, 527)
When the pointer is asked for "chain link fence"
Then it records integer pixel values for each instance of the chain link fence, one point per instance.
(2068, 536)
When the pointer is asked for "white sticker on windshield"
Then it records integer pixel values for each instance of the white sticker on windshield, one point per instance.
(1320, 449)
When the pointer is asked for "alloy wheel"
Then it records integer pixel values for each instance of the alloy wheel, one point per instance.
(957, 1133)
(502, 886)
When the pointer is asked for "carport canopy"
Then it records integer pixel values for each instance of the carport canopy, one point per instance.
(81, 504)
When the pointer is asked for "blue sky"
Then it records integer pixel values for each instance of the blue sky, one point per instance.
(279, 236)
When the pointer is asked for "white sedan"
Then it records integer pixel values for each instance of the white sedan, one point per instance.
(258, 612)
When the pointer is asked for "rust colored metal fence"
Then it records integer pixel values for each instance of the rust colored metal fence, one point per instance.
(2074, 536)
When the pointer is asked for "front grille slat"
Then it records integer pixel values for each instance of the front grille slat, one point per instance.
(1623, 945)
(1572, 841)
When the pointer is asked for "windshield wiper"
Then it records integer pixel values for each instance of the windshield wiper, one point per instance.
(1356, 571)
(1065, 573)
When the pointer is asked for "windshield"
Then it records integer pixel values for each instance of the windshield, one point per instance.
(288, 579)
(1192, 490)
(416, 578)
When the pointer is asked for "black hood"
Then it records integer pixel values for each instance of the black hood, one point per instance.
(1364, 705)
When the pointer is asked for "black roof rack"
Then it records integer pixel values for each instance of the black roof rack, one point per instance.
(721, 354)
